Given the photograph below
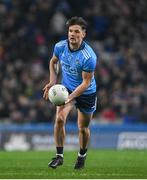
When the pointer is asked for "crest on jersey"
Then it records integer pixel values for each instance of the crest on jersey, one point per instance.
(77, 62)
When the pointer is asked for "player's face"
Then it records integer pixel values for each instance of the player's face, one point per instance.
(75, 35)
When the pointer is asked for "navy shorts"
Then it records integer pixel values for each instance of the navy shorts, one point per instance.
(86, 103)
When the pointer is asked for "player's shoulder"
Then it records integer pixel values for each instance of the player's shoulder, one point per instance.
(88, 51)
(61, 43)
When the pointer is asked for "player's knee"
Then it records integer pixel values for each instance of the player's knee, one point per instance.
(60, 121)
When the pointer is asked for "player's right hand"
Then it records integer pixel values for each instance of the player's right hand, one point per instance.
(46, 89)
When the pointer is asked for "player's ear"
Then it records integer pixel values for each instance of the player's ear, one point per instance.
(84, 34)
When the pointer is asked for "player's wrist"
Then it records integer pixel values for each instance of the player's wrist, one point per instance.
(52, 83)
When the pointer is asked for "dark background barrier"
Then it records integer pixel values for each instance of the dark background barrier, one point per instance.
(40, 137)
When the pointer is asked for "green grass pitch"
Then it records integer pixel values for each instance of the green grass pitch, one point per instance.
(100, 164)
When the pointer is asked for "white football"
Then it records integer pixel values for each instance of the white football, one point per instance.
(58, 94)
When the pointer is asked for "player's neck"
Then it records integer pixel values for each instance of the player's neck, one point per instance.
(74, 47)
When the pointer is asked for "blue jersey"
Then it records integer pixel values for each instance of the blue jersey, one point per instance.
(74, 62)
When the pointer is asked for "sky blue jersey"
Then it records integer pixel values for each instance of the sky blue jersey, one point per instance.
(74, 62)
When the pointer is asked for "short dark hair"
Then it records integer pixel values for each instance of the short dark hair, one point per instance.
(77, 21)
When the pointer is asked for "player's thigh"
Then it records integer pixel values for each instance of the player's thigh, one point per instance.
(63, 111)
(84, 119)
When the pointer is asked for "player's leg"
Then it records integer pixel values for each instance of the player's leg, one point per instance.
(84, 135)
(59, 133)
(59, 127)
(83, 125)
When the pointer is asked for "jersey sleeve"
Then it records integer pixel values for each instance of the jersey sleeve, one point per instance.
(89, 64)
(56, 50)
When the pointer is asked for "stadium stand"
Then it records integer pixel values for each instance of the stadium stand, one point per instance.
(117, 31)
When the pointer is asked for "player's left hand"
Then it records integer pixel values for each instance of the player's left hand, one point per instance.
(69, 100)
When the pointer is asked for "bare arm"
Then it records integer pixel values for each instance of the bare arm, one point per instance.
(53, 70)
(53, 76)
(87, 76)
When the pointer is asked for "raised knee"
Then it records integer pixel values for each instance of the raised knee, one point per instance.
(60, 121)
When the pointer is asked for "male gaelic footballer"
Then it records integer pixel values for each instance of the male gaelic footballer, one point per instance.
(78, 63)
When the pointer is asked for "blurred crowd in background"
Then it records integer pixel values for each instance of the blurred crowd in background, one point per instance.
(117, 32)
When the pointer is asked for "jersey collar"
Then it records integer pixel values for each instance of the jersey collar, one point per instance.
(80, 48)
